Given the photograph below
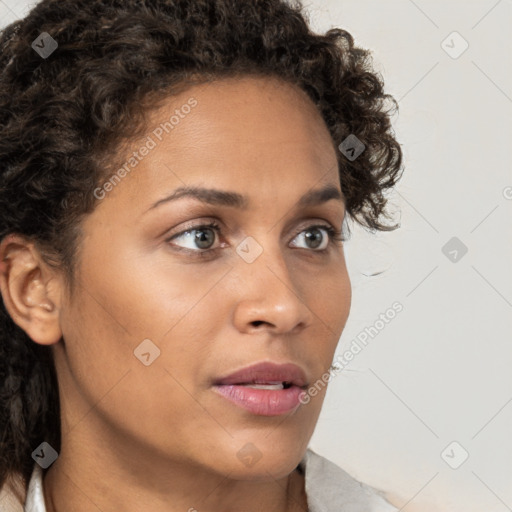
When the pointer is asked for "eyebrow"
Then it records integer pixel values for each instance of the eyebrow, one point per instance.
(236, 200)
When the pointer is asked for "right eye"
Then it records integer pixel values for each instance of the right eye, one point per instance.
(201, 236)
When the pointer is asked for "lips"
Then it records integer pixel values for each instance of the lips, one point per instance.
(265, 389)
(266, 373)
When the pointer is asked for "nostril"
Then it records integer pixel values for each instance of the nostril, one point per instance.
(257, 323)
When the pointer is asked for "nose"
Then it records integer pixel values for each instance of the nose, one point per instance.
(270, 297)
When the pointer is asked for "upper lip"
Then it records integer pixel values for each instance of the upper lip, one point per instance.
(265, 373)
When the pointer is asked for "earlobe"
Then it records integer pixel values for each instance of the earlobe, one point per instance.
(29, 290)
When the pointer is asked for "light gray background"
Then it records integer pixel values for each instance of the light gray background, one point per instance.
(440, 371)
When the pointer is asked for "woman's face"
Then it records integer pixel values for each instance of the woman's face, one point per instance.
(266, 287)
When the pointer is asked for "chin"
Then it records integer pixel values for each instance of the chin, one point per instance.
(265, 460)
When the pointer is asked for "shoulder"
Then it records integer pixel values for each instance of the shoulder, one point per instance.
(331, 489)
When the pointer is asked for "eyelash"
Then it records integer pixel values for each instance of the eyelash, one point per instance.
(335, 238)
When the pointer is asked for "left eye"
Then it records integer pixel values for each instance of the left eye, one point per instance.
(203, 237)
(314, 236)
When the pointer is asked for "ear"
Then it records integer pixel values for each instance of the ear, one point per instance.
(30, 290)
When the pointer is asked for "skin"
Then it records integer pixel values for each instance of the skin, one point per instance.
(157, 437)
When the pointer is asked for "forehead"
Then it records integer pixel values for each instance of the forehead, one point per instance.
(246, 113)
(251, 134)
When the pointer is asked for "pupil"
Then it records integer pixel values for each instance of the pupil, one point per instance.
(318, 237)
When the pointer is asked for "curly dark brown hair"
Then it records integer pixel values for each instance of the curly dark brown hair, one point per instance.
(62, 118)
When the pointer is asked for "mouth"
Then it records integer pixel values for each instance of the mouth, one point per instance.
(265, 389)
(269, 385)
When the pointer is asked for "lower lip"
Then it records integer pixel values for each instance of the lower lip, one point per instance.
(264, 402)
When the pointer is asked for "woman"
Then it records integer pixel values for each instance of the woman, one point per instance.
(175, 179)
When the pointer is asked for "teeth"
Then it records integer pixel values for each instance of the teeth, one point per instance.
(265, 386)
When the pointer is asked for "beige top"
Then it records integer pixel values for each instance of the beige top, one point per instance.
(328, 489)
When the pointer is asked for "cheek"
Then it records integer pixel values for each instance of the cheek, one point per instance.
(97, 347)
(154, 404)
(328, 294)
(149, 294)
(119, 304)
(142, 401)
(330, 298)
(340, 291)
